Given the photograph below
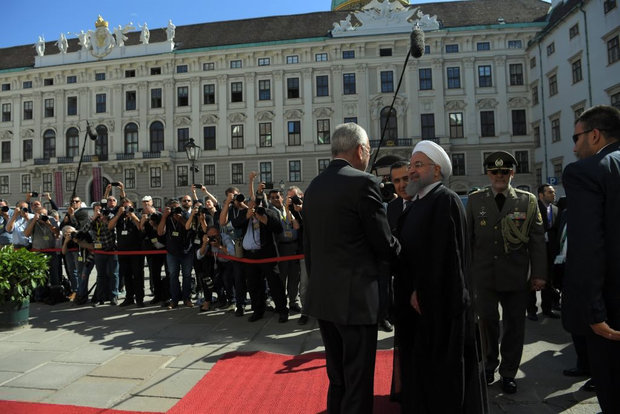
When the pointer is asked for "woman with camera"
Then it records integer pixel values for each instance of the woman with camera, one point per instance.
(213, 268)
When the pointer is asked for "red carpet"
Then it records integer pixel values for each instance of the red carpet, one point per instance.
(256, 383)
(260, 383)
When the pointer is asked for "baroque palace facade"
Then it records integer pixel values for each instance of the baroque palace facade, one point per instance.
(265, 94)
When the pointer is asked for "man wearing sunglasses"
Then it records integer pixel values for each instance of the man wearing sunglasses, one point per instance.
(509, 260)
(591, 288)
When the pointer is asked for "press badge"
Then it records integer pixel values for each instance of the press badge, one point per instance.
(98, 245)
(288, 234)
(196, 241)
(124, 233)
(154, 240)
(175, 234)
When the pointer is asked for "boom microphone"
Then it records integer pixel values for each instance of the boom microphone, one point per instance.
(417, 43)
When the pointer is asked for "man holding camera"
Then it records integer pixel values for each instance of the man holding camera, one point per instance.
(107, 264)
(130, 267)
(260, 226)
(149, 221)
(44, 232)
(179, 244)
(17, 225)
(230, 210)
(287, 246)
(6, 238)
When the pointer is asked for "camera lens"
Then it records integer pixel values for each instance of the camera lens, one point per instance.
(260, 210)
(25, 209)
(240, 198)
(35, 194)
(5, 209)
(44, 218)
(131, 209)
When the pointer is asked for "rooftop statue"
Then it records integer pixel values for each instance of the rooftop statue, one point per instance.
(119, 33)
(84, 39)
(170, 30)
(145, 34)
(62, 43)
(40, 46)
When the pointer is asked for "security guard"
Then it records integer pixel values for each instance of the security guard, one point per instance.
(508, 260)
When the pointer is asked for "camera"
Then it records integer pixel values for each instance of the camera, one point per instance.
(268, 185)
(34, 194)
(197, 185)
(296, 200)
(177, 210)
(44, 218)
(130, 210)
(387, 191)
(5, 209)
(208, 282)
(240, 198)
(25, 209)
(204, 210)
(260, 210)
(115, 184)
(212, 239)
(81, 236)
(155, 217)
(140, 210)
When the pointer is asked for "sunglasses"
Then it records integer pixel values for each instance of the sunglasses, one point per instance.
(502, 171)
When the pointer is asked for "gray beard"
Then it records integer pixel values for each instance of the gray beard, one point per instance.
(414, 187)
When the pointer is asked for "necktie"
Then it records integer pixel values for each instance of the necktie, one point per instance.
(499, 200)
(407, 204)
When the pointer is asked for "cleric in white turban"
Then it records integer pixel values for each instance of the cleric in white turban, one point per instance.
(435, 348)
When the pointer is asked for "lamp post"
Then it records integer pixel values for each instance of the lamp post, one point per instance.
(193, 153)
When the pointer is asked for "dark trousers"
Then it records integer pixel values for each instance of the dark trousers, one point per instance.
(131, 270)
(581, 349)
(255, 274)
(513, 323)
(604, 355)
(161, 286)
(548, 297)
(239, 283)
(350, 352)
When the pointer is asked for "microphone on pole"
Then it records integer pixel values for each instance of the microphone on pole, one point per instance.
(416, 49)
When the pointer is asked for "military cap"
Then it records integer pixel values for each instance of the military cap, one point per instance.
(500, 159)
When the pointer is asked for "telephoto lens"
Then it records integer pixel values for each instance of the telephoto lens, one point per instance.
(5, 209)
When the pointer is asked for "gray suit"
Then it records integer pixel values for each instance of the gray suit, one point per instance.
(501, 271)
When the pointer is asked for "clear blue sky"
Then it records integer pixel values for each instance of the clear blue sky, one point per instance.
(24, 20)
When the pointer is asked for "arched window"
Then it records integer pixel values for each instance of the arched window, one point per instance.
(73, 142)
(131, 138)
(391, 132)
(101, 145)
(157, 136)
(49, 144)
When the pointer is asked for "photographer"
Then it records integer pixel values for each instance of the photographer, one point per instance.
(110, 201)
(128, 238)
(44, 231)
(179, 256)
(17, 225)
(196, 227)
(230, 210)
(260, 226)
(213, 267)
(104, 240)
(6, 237)
(149, 221)
(80, 261)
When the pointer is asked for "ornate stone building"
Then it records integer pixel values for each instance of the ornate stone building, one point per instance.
(265, 94)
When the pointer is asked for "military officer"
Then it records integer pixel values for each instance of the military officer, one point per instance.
(508, 260)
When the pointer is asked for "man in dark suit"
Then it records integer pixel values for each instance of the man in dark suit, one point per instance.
(591, 295)
(549, 296)
(508, 260)
(346, 237)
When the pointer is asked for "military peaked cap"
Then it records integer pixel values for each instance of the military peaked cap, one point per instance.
(500, 159)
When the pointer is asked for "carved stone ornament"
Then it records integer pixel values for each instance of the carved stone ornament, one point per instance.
(27, 133)
(209, 119)
(323, 112)
(7, 134)
(265, 116)
(383, 16)
(350, 108)
(518, 102)
(293, 114)
(378, 103)
(454, 105)
(237, 117)
(182, 121)
(487, 103)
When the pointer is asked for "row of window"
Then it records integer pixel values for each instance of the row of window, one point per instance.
(237, 174)
(265, 134)
(485, 79)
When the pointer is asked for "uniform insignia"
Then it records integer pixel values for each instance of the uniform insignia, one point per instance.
(483, 222)
(499, 162)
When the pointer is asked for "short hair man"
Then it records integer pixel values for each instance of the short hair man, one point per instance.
(346, 236)
(508, 245)
(590, 299)
(434, 318)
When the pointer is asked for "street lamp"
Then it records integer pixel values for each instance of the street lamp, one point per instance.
(193, 153)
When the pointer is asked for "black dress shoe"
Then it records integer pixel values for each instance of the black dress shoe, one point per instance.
(385, 325)
(126, 302)
(575, 372)
(551, 314)
(155, 300)
(490, 377)
(239, 311)
(509, 385)
(303, 319)
(139, 304)
(254, 317)
(283, 317)
(589, 386)
(532, 316)
(295, 308)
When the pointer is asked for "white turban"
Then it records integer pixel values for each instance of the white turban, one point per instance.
(437, 154)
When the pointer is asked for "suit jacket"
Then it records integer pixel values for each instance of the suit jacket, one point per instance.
(394, 211)
(491, 266)
(346, 236)
(267, 231)
(592, 275)
(551, 230)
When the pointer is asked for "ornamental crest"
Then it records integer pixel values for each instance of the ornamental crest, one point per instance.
(102, 40)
